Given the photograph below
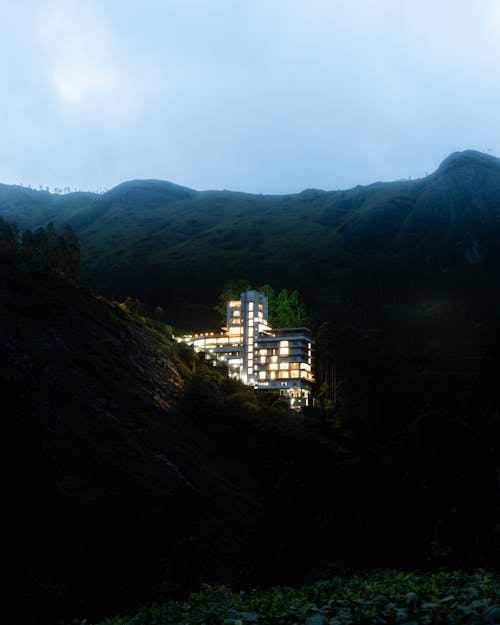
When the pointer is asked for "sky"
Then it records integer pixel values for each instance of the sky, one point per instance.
(263, 96)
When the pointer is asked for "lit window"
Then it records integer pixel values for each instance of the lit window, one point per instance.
(284, 351)
(294, 365)
(272, 375)
(250, 306)
(261, 307)
(262, 360)
(273, 366)
(250, 331)
(274, 358)
(262, 375)
(234, 303)
(284, 374)
(295, 374)
(283, 343)
(263, 352)
(284, 365)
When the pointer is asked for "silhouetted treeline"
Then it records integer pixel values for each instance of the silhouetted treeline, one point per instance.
(43, 249)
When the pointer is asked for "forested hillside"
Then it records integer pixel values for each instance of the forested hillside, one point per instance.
(376, 245)
(133, 472)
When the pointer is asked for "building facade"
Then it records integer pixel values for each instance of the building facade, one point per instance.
(277, 360)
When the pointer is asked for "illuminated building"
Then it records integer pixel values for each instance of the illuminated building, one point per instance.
(266, 359)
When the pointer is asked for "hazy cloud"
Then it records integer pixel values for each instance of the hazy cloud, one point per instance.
(268, 96)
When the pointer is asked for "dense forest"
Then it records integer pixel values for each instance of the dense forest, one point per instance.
(133, 472)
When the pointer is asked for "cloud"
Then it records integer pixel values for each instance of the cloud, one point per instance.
(266, 95)
(80, 67)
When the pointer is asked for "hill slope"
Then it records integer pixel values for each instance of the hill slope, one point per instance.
(176, 247)
(131, 472)
(99, 467)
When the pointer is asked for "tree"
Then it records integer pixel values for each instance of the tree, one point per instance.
(159, 313)
(133, 305)
(67, 255)
(57, 254)
(288, 311)
(8, 238)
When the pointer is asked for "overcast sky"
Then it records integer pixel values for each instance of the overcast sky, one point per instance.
(268, 96)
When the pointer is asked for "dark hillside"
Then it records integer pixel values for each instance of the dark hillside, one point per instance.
(103, 480)
(412, 266)
(30, 208)
(176, 247)
(131, 472)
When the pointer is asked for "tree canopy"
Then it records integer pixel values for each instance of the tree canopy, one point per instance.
(285, 309)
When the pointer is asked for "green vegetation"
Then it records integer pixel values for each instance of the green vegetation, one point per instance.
(286, 310)
(133, 472)
(43, 250)
(385, 597)
(408, 271)
(351, 253)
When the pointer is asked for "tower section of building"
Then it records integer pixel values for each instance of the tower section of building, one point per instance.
(266, 359)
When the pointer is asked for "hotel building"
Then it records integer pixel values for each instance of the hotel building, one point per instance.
(278, 360)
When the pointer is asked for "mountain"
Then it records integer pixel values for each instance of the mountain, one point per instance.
(175, 247)
(406, 273)
(98, 471)
(131, 471)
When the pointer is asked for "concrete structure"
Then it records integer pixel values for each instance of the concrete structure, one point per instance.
(266, 359)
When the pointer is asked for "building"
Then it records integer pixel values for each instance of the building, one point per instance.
(278, 360)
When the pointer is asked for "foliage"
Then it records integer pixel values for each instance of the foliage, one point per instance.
(47, 251)
(142, 471)
(8, 238)
(385, 597)
(285, 309)
(132, 305)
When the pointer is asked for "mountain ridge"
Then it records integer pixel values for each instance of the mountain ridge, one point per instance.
(458, 157)
(176, 247)
(140, 472)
